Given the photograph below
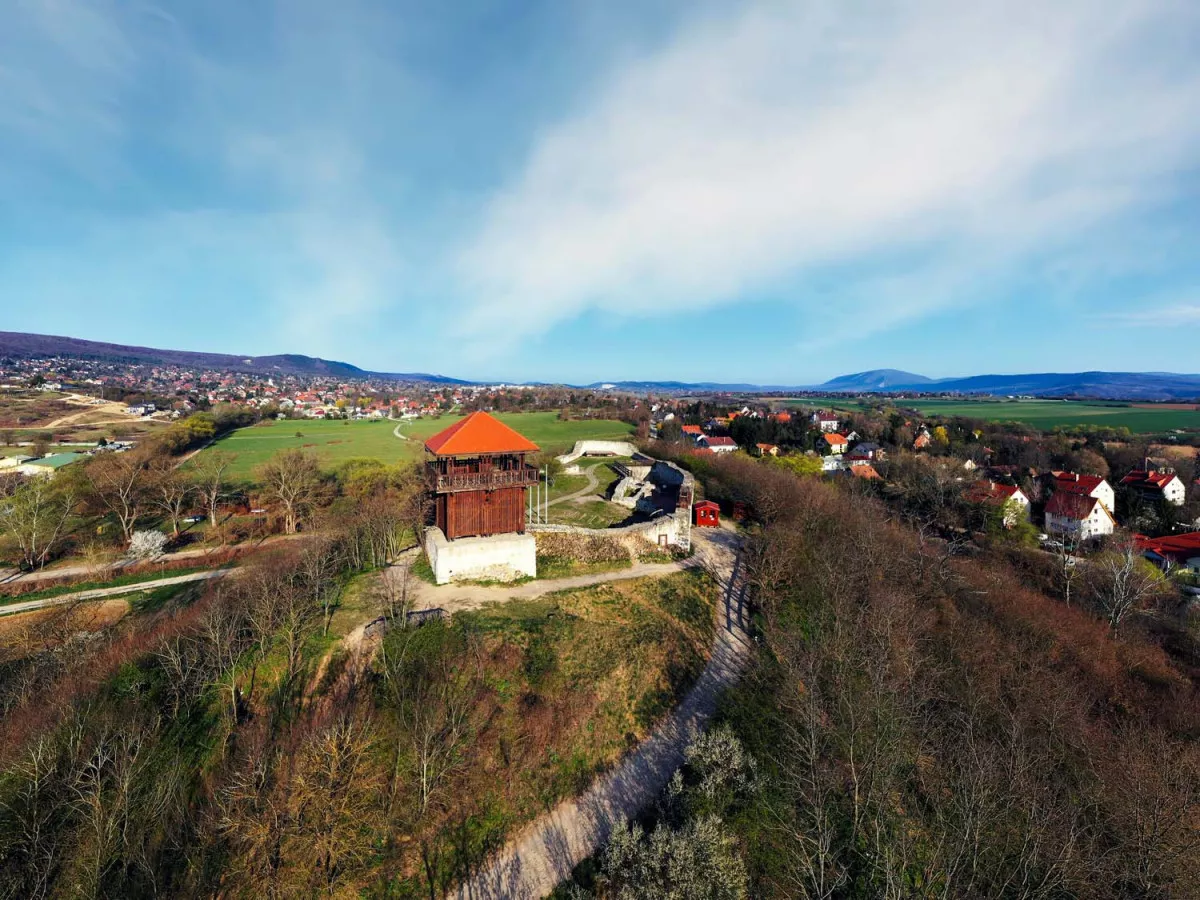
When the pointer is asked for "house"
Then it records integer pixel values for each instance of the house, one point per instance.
(827, 422)
(782, 417)
(767, 449)
(1077, 516)
(1156, 486)
(693, 431)
(989, 493)
(1176, 551)
(706, 514)
(1086, 485)
(718, 444)
(832, 463)
(863, 453)
(922, 440)
(835, 442)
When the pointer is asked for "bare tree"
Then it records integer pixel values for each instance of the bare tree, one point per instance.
(170, 492)
(292, 478)
(209, 474)
(1124, 582)
(120, 483)
(35, 515)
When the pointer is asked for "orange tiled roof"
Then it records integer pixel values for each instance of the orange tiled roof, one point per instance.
(478, 433)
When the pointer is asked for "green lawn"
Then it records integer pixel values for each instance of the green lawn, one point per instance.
(337, 441)
(1047, 414)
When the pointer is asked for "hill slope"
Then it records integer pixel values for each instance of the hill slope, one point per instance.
(876, 380)
(18, 345)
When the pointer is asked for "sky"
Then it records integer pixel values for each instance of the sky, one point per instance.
(565, 190)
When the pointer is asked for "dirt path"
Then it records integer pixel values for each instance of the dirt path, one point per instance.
(12, 609)
(454, 598)
(592, 484)
(543, 854)
(10, 576)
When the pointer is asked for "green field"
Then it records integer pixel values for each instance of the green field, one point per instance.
(336, 441)
(1046, 414)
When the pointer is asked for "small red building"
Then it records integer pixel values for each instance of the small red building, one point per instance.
(706, 514)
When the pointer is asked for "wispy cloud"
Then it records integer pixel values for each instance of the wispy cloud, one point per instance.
(921, 145)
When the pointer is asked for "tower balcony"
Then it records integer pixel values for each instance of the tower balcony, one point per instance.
(525, 476)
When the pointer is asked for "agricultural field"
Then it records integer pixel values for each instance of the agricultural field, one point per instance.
(336, 441)
(1140, 418)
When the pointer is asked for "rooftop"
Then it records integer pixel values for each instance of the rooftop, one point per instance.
(478, 434)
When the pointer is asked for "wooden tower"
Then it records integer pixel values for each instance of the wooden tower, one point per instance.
(478, 477)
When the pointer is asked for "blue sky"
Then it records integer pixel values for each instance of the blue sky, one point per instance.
(755, 191)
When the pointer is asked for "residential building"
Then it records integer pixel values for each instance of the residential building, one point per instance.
(768, 449)
(827, 422)
(1176, 551)
(835, 442)
(1077, 517)
(1156, 486)
(989, 493)
(1087, 485)
(718, 444)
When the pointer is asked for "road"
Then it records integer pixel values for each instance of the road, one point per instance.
(544, 853)
(100, 593)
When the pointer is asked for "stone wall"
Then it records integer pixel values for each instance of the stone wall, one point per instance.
(598, 448)
(499, 557)
(672, 531)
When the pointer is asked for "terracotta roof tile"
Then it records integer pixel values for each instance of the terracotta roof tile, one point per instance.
(476, 434)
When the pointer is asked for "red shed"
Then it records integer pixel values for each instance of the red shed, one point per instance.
(706, 514)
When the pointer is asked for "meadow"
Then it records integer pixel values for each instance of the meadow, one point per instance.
(336, 441)
(1045, 414)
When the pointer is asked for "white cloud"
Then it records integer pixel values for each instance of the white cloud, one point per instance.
(938, 141)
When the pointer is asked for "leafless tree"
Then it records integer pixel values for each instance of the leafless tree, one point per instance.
(1124, 582)
(170, 492)
(36, 514)
(120, 484)
(209, 475)
(292, 479)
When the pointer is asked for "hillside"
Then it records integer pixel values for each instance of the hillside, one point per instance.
(876, 380)
(18, 345)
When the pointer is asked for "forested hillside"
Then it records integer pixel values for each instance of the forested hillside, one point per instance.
(924, 725)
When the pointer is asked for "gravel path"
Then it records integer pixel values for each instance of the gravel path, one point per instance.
(543, 854)
(98, 593)
(454, 598)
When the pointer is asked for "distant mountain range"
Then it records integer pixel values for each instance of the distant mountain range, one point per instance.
(1096, 385)
(1109, 385)
(16, 345)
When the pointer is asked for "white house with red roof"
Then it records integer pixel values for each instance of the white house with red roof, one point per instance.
(835, 442)
(1087, 486)
(1155, 486)
(1078, 516)
(989, 493)
(718, 444)
(827, 422)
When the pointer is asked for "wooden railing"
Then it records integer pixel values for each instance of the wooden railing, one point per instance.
(487, 481)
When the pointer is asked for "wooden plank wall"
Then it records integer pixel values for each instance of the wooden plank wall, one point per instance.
(474, 513)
